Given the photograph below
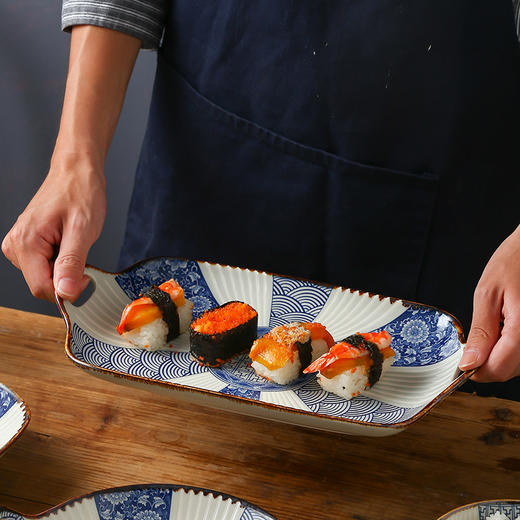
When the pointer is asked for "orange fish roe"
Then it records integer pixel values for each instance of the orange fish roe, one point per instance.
(223, 319)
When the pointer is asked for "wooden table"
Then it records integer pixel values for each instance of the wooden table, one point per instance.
(88, 434)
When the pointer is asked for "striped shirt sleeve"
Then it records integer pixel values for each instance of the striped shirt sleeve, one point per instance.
(143, 19)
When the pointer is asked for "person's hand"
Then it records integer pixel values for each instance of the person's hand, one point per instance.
(494, 338)
(50, 240)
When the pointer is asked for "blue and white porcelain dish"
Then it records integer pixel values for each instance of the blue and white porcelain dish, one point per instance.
(14, 417)
(486, 510)
(428, 344)
(151, 502)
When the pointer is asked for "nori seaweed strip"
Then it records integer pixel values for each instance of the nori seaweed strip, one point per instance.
(168, 310)
(305, 353)
(358, 341)
(213, 350)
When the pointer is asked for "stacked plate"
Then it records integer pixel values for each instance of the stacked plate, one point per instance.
(14, 417)
(152, 502)
(488, 510)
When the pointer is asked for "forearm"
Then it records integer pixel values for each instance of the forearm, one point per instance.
(100, 65)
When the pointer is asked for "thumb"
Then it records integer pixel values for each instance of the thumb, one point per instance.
(69, 280)
(484, 332)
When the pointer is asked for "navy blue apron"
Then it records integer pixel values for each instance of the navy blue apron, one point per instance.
(370, 144)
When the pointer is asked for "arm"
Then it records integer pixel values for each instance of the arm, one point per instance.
(494, 339)
(51, 238)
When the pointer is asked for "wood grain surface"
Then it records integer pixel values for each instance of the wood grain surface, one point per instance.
(88, 434)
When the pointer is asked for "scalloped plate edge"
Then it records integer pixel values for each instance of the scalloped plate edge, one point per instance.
(26, 420)
(142, 487)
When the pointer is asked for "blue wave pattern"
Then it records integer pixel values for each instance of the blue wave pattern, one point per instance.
(241, 380)
(7, 399)
(9, 515)
(240, 377)
(254, 514)
(422, 336)
(139, 504)
(499, 511)
(361, 408)
(186, 273)
(160, 365)
(296, 300)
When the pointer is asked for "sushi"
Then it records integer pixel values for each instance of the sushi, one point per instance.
(157, 317)
(354, 364)
(223, 332)
(282, 353)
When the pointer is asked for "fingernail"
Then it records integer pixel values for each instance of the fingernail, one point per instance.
(66, 287)
(469, 359)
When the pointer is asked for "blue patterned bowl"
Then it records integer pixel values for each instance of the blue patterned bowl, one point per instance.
(14, 417)
(428, 344)
(488, 510)
(152, 502)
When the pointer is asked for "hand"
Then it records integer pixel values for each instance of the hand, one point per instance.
(66, 215)
(494, 338)
(51, 238)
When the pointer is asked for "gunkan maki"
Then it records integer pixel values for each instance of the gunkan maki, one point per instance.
(223, 332)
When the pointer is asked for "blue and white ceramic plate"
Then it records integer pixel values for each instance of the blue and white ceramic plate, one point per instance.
(151, 502)
(489, 510)
(427, 341)
(14, 417)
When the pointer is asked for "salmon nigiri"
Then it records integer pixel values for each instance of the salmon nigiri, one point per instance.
(157, 317)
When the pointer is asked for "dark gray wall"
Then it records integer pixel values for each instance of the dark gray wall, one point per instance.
(33, 66)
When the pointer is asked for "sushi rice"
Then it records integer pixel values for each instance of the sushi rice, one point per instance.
(152, 336)
(350, 383)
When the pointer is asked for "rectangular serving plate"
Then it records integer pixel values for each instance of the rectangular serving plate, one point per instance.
(428, 343)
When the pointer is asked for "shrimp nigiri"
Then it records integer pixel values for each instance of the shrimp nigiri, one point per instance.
(354, 364)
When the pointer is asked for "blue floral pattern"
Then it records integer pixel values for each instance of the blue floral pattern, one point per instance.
(7, 399)
(422, 336)
(499, 511)
(147, 504)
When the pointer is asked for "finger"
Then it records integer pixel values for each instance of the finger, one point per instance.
(9, 252)
(485, 329)
(504, 361)
(69, 265)
(37, 272)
